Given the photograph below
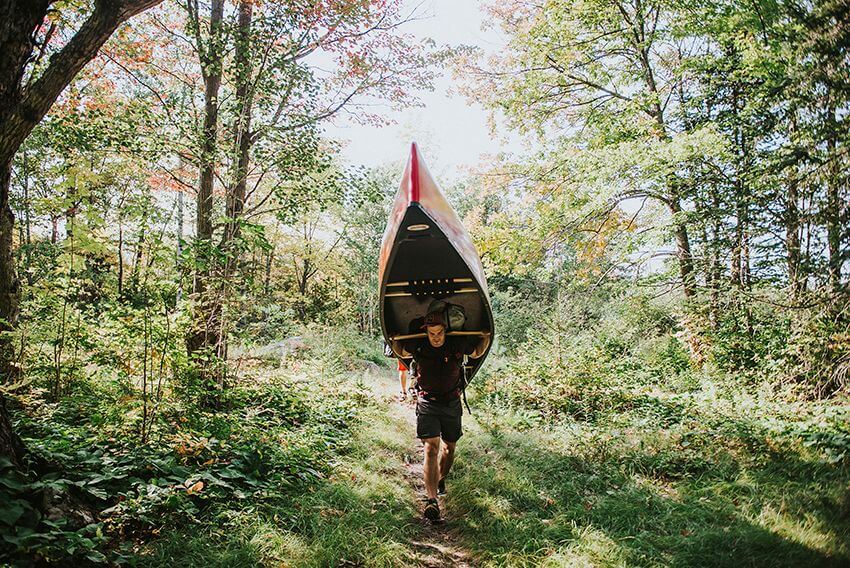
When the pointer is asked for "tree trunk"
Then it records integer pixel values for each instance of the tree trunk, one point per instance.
(683, 250)
(9, 284)
(21, 109)
(178, 252)
(120, 258)
(833, 206)
(792, 236)
(791, 216)
(11, 446)
(267, 280)
(641, 45)
(215, 310)
(138, 261)
(741, 250)
(715, 270)
(242, 133)
(204, 332)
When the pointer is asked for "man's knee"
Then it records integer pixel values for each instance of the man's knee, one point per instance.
(432, 446)
(449, 447)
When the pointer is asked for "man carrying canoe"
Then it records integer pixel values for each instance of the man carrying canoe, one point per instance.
(438, 407)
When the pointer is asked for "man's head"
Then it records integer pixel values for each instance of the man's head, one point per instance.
(435, 326)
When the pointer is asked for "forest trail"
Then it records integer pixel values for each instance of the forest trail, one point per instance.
(433, 545)
(616, 489)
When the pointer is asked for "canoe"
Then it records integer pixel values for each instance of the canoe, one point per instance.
(427, 255)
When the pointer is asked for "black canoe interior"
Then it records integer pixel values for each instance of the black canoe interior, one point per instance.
(423, 267)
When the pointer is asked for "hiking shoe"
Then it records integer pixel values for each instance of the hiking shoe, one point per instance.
(432, 510)
(441, 486)
(402, 396)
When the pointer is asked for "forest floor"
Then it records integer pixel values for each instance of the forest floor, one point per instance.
(722, 491)
(308, 467)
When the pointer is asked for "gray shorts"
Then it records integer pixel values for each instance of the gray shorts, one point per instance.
(439, 419)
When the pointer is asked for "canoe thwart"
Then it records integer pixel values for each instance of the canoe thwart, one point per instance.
(452, 333)
(423, 281)
(432, 293)
(430, 287)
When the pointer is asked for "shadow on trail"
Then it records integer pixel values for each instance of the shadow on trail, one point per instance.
(520, 500)
(362, 514)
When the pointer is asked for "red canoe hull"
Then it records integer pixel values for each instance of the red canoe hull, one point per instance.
(427, 254)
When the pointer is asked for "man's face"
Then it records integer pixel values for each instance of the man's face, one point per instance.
(436, 335)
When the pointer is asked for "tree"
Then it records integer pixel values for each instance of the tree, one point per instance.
(273, 157)
(731, 116)
(600, 76)
(28, 88)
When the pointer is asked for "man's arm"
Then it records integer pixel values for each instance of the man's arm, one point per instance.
(399, 349)
(481, 347)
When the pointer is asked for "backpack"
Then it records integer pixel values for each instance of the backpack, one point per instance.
(453, 315)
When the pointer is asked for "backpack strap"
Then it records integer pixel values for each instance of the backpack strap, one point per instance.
(465, 382)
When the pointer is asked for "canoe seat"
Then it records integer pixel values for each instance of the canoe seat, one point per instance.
(431, 287)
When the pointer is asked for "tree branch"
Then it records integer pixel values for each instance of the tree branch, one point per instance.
(38, 97)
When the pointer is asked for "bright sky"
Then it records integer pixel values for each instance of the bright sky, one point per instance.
(451, 131)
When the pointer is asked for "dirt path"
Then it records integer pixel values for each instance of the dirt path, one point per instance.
(434, 545)
(437, 545)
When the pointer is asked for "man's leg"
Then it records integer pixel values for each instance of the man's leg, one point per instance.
(450, 431)
(402, 378)
(447, 457)
(432, 465)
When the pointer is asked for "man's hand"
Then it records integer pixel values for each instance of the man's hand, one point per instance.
(482, 346)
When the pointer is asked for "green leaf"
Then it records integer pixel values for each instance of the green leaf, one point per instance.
(97, 492)
(10, 513)
(96, 557)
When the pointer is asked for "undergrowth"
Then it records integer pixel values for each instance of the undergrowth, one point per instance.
(635, 474)
(96, 491)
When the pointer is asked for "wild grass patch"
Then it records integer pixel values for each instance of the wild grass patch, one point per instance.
(652, 478)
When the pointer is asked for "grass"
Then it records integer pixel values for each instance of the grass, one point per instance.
(708, 477)
(363, 514)
(661, 482)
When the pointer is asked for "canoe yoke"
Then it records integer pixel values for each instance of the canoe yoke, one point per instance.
(431, 287)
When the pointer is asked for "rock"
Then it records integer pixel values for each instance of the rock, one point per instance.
(273, 351)
(61, 505)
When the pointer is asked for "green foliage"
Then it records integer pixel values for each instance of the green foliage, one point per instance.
(666, 480)
(623, 422)
(751, 340)
(270, 439)
(712, 132)
(580, 354)
(343, 348)
(261, 323)
(361, 512)
(828, 432)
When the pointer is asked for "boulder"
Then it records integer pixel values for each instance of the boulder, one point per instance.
(273, 351)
